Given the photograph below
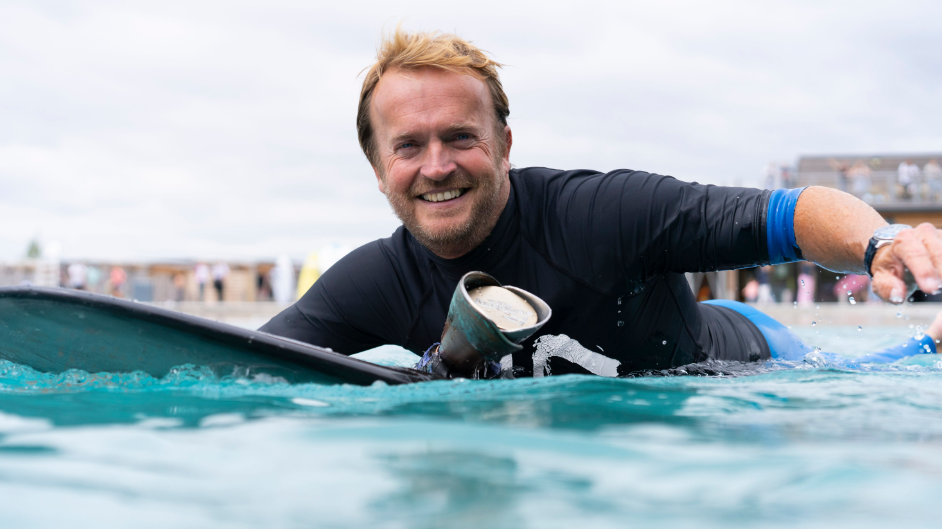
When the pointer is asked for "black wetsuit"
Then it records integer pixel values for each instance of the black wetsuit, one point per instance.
(607, 251)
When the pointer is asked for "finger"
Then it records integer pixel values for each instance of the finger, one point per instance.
(933, 243)
(889, 286)
(911, 250)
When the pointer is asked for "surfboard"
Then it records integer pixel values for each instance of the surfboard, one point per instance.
(53, 330)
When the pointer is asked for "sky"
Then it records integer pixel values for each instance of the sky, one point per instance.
(226, 129)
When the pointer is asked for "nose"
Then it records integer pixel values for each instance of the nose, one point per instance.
(438, 162)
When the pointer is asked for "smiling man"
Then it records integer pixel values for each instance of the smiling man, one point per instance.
(607, 251)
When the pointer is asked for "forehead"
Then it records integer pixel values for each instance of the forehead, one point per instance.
(429, 95)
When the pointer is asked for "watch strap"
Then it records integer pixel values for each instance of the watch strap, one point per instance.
(870, 254)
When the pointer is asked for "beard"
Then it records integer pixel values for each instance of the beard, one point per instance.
(460, 237)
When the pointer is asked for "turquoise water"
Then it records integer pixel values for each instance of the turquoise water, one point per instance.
(783, 445)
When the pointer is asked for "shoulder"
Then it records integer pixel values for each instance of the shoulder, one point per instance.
(531, 180)
(371, 295)
(565, 197)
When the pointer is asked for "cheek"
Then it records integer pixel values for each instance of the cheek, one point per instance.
(476, 160)
(397, 179)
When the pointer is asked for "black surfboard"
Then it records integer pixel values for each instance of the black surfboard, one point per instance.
(53, 330)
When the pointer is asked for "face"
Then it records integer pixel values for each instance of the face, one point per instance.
(441, 165)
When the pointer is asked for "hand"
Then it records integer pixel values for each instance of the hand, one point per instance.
(935, 329)
(918, 251)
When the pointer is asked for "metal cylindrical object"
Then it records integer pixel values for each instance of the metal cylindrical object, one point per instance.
(471, 338)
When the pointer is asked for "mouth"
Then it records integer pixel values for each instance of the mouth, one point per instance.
(443, 196)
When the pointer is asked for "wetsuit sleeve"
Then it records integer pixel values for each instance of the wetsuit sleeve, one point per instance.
(924, 345)
(351, 308)
(637, 225)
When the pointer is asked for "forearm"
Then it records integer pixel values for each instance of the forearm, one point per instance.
(833, 228)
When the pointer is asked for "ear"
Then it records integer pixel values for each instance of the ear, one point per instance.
(508, 142)
(379, 181)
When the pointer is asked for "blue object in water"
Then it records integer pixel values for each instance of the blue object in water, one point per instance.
(785, 345)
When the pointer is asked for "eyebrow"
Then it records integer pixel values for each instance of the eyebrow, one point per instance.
(451, 129)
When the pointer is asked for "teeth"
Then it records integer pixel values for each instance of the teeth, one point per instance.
(439, 197)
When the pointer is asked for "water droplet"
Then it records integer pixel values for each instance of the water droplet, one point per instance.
(899, 314)
(852, 300)
(814, 323)
(621, 323)
(859, 328)
(619, 301)
(816, 307)
(802, 282)
(795, 304)
(837, 277)
(664, 342)
(849, 293)
(816, 349)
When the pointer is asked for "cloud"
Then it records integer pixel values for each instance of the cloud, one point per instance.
(226, 129)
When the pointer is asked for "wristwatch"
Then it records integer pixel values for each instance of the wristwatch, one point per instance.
(882, 237)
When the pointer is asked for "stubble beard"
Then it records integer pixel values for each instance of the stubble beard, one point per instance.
(456, 239)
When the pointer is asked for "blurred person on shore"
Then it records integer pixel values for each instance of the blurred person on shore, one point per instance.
(78, 276)
(763, 274)
(92, 278)
(220, 273)
(852, 288)
(262, 287)
(750, 292)
(783, 283)
(842, 176)
(179, 286)
(282, 280)
(201, 272)
(118, 277)
(788, 176)
(859, 175)
(907, 176)
(933, 175)
(806, 283)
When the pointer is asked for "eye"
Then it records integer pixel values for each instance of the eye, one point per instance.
(406, 145)
(462, 136)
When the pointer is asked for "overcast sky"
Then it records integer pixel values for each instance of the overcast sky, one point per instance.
(186, 129)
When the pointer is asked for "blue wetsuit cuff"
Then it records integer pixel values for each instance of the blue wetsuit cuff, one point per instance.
(780, 226)
(924, 345)
(928, 344)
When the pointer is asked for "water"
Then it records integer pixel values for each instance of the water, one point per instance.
(788, 445)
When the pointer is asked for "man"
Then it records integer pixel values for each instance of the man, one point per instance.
(606, 251)
(908, 174)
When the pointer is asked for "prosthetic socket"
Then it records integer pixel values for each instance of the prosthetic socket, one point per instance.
(486, 321)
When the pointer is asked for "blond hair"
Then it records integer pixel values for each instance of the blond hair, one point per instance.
(409, 51)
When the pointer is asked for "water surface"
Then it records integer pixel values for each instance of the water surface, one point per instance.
(786, 444)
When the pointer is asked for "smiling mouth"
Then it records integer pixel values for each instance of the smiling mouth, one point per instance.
(443, 196)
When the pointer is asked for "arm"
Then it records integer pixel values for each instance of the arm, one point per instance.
(350, 308)
(833, 229)
(609, 229)
(825, 235)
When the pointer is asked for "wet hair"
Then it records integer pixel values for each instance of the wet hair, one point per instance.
(411, 51)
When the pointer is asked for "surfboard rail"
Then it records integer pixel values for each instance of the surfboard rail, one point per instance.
(56, 329)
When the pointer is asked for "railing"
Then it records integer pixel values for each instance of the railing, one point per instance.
(877, 187)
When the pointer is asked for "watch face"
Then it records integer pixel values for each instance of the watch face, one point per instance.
(890, 232)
